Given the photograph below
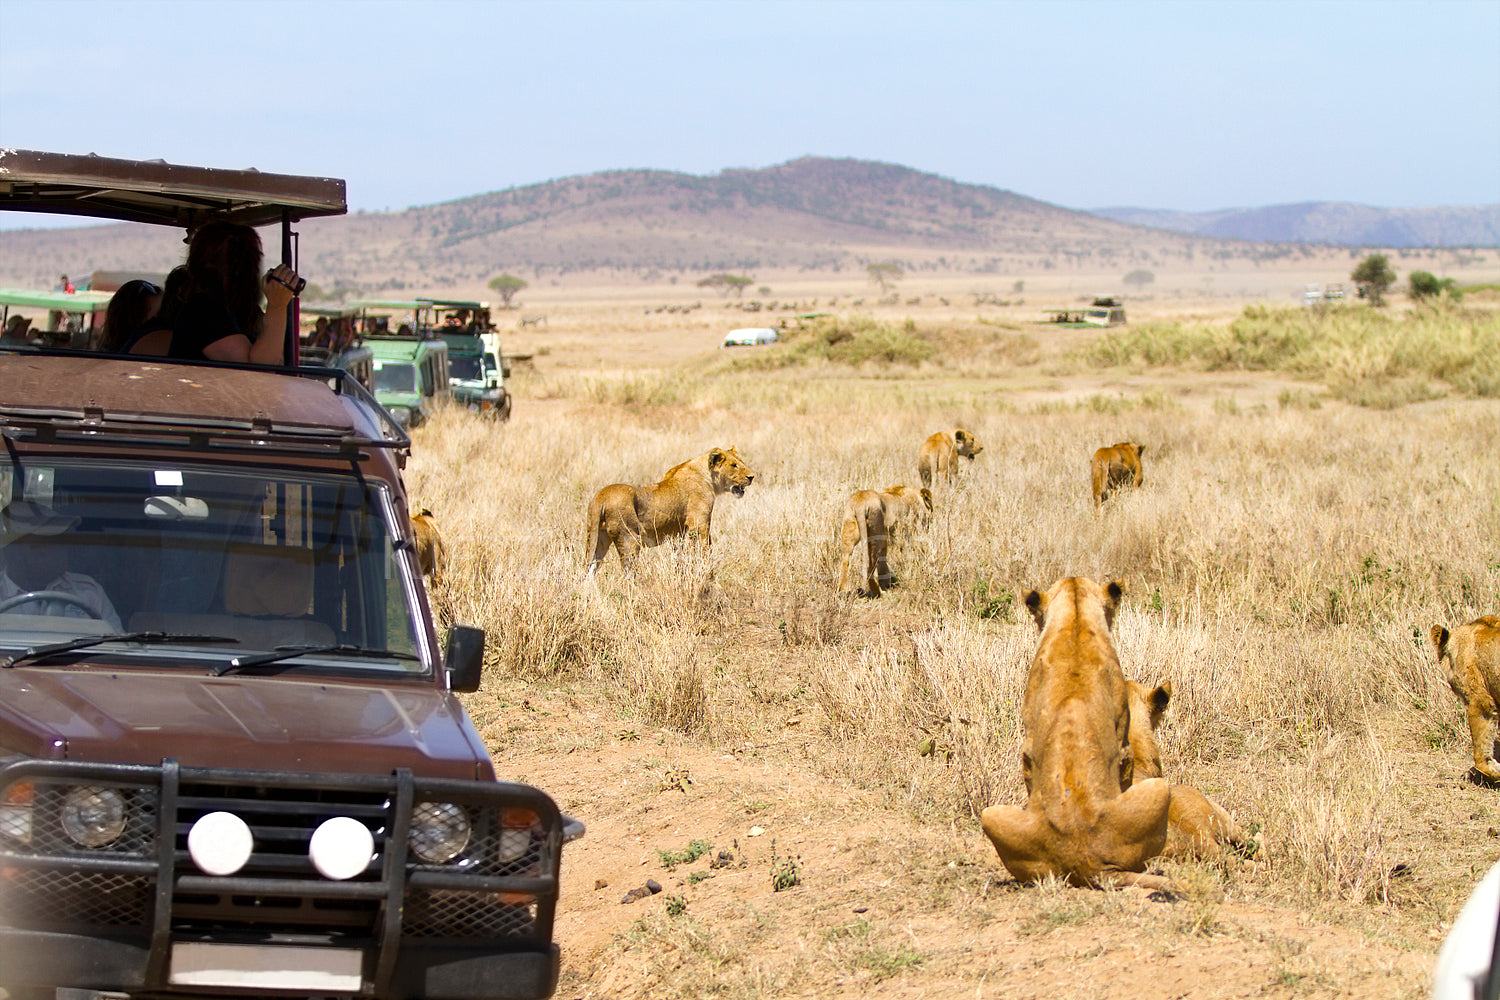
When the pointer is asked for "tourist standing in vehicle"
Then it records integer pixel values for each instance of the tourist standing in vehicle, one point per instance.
(220, 319)
(132, 305)
(154, 335)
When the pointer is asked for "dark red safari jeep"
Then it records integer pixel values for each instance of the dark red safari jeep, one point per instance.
(232, 762)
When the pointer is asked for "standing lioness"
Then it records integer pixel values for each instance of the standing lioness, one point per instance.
(1473, 655)
(1116, 466)
(628, 517)
(939, 456)
(1078, 823)
(874, 520)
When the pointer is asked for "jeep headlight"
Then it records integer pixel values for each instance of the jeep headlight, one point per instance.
(439, 832)
(516, 827)
(93, 816)
(401, 414)
(16, 803)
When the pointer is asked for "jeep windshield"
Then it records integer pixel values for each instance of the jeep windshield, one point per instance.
(395, 376)
(468, 369)
(229, 563)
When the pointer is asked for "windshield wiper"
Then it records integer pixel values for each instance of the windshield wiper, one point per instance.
(85, 641)
(290, 652)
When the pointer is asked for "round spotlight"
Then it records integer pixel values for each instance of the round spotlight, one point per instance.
(439, 832)
(93, 816)
(341, 848)
(220, 843)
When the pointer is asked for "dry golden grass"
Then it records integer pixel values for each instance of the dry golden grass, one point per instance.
(1284, 564)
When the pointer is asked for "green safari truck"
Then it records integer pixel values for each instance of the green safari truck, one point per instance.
(411, 376)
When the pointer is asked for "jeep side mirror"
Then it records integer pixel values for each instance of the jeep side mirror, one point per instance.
(464, 657)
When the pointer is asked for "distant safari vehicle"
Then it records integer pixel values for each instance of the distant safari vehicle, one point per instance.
(75, 319)
(411, 376)
(1318, 295)
(339, 346)
(471, 375)
(477, 368)
(1105, 312)
(751, 337)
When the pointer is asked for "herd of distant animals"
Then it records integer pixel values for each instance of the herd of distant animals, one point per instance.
(1098, 809)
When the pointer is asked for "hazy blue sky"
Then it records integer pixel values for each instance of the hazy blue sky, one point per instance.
(1177, 105)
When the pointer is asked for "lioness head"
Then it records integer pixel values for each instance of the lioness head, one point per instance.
(967, 444)
(730, 473)
(1109, 597)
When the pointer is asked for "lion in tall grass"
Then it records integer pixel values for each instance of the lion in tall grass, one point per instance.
(629, 517)
(1085, 819)
(431, 552)
(875, 520)
(1472, 653)
(940, 452)
(1197, 827)
(1114, 467)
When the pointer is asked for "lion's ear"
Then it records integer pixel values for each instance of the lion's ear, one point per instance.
(1037, 604)
(1440, 637)
(716, 458)
(1113, 594)
(927, 497)
(1140, 450)
(960, 436)
(1160, 696)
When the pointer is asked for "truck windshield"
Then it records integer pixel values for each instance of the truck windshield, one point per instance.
(270, 559)
(468, 369)
(395, 376)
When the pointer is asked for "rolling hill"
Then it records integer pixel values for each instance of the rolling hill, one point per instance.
(810, 214)
(1328, 222)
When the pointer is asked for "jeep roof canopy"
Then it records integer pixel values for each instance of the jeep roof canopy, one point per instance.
(158, 192)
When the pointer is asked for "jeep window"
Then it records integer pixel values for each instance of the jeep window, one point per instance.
(273, 559)
(395, 376)
(471, 369)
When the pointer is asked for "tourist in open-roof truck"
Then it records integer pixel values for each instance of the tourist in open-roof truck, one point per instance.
(232, 762)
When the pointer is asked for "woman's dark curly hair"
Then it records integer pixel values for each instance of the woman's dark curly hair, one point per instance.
(224, 262)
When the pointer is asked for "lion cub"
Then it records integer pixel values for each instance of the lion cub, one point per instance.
(1196, 824)
(1116, 466)
(940, 454)
(875, 520)
(1473, 655)
(628, 517)
(1084, 820)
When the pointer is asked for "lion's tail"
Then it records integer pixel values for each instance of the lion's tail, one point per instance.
(595, 537)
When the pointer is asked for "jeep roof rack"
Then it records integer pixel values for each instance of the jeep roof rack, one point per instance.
(214, 410)
(158, 192)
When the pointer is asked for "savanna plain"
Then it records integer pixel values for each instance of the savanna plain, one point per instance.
(801, 772)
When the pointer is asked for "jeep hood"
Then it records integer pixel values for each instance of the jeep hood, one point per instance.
(264, 723)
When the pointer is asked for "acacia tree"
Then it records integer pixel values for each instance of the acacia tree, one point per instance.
(885, 273)
(1372, 277)
(726, 283)
(1426, 285)
(506, 286)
